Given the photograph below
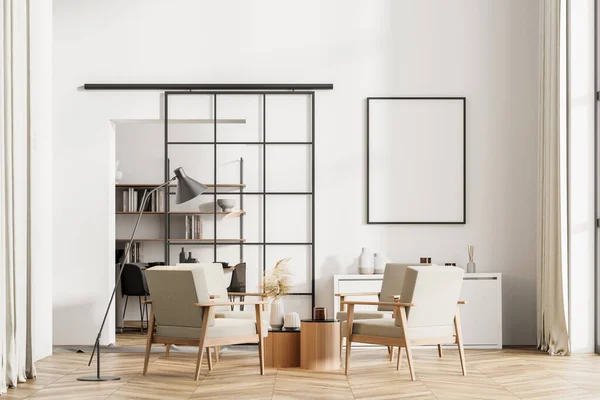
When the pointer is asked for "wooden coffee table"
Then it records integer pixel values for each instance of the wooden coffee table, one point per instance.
(282, 348)
(320, 345)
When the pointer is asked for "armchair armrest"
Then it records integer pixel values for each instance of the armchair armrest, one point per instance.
(146, 301)
(357, 294)
(379, 303)
(397, 296)
(247, 294)
(230, 303)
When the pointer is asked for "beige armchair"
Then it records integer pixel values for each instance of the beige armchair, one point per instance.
(219, 295)
(182, 313)
(391, 286)
(426, 314)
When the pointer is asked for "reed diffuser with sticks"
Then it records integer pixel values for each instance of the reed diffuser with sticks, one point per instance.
(471, 264)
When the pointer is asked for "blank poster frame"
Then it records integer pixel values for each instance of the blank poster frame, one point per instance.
(464, 161)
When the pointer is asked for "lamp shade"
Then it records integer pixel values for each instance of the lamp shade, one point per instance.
(187, 188)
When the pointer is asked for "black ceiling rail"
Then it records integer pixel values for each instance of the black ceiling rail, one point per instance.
(208, 86)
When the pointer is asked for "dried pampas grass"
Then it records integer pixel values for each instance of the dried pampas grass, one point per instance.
(277, 284)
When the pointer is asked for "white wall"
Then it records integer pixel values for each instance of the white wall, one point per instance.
(486, 51)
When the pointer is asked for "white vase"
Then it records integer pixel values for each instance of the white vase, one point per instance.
(365, 262)
(277, 313)
(380, 262)
(118, 173)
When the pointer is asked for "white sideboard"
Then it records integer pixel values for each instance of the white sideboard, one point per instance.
(481, 317)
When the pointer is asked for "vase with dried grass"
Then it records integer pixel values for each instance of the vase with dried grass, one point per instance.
(277, 285)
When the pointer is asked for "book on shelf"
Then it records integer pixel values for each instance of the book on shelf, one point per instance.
(132, 201)
(193, 227)
(160, 203)
(125, 206)
(135, 254)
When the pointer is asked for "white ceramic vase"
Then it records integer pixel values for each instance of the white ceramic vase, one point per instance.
(277, 313)
(291, 321)
(118, 173)
(380, 262)
(365, 262)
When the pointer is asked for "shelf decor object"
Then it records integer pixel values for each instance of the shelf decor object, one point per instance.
(277, 285)
(471, 264)
(187, 189)
(416, 160)
(365, 262)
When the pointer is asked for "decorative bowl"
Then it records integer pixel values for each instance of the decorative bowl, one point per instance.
(226, 204)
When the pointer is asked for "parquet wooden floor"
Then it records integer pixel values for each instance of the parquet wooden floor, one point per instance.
(492, 374)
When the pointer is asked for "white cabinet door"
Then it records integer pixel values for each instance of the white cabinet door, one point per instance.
(480, 317)
(360, 286)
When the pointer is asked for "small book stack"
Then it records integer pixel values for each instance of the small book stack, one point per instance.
(135, 255)
(132, 201)
(193, 227)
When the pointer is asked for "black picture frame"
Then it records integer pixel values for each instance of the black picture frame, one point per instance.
(464, 174)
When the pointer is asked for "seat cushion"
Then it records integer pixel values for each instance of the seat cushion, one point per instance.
(242, 315)
(387, 328)
(223, 327)
(343, 315)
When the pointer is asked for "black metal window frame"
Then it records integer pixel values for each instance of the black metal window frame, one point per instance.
(464, 182)
(264, 193)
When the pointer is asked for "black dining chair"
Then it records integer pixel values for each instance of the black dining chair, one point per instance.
(238, 283)
(133, 283)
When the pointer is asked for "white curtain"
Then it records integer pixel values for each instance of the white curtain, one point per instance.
(552, 334)
(16, 359)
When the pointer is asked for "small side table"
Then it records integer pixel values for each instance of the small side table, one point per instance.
(282, 348)
(320, 345)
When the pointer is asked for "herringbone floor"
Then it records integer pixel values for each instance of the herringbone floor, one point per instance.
(492, 374)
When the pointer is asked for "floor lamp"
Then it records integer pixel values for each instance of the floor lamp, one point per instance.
(187, 189)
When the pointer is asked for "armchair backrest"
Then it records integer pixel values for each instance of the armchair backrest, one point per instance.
(393, 278)
(174, 291)
(215, 279)
(435, 291)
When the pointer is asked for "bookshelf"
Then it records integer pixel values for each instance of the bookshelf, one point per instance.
(161, 209)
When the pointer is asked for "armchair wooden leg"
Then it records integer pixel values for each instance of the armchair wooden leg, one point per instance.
(261, 349)
(341, 339)
(391, 352)
(459, 342)
(167, 351)
(404, 325)
(149, 342)
(208, 355)
(440, 350)
(410, 363)
(205, 319)
(217, 351)
(399, 358)
(349, 322)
